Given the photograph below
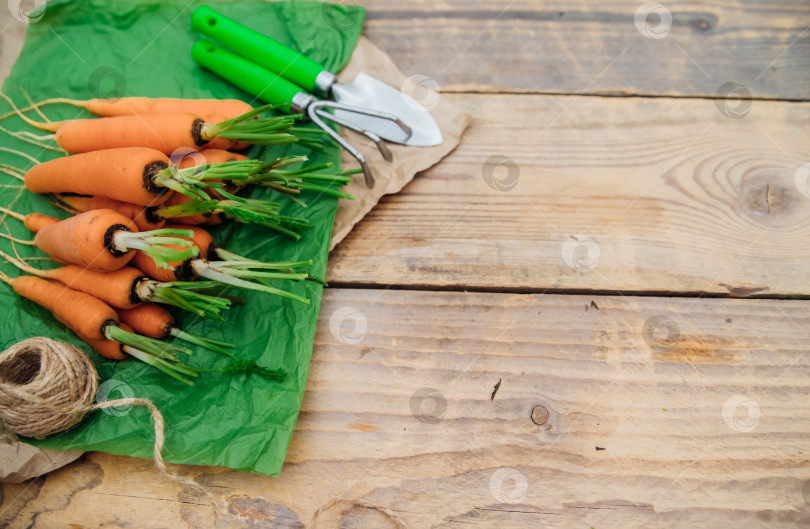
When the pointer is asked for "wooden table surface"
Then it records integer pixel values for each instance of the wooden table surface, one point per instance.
(619, 245)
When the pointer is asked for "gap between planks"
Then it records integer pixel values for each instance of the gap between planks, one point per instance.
(734, 293)
(552, 93)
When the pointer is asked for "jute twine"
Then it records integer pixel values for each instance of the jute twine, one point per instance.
(357, 492)
(47, 387)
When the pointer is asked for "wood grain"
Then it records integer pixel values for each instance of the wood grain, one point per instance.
(595, 48)
(700, 409)
(675, 196)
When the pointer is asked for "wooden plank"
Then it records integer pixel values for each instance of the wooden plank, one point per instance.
(703, 422)
(584, 47)
(630, 194)
(595, 48)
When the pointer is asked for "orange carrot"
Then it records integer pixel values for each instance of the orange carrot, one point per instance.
(177, 271)
(215, 220)
(190, 157)
(168, 132)
(181, 209)
(137, 175)
(156, 322)
(149, 319)
(85, 239)
(123, 174)
(143, 217)
(163, 132)
(85, 315)
(94, 321)
(210, 109)
(117, 288)
(213, 155)
(127, 287)
(205, 242)
(102, 239)
(36, 221)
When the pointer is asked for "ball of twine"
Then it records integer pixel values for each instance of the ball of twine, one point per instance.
(45, 387)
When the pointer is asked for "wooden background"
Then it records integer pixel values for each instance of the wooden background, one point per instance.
(618, 244)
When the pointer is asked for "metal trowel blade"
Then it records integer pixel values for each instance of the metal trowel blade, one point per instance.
(367, 92)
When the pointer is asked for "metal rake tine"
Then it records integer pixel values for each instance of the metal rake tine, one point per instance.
(312, 112)
(381, 146)
(373, 113)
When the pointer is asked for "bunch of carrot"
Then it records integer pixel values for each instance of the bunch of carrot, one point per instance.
(140, 179)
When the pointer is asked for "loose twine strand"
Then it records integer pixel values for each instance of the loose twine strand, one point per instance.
(358, 492)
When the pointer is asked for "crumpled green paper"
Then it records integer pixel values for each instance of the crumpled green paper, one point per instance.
(87, 49)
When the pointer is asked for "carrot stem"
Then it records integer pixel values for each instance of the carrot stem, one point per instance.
(213, 345)
(192, 181)
(240, 209)
(183, 297)
(159, 364)
(186, 209)
(220, 190)
(236, 272)
(153, 244)
(250, 367)
(258, 131)
(330, 178)
(238, 261)
(234, 170)
(304, 178)
(227, 255)
(235, 265)
(250, 211)
(285, 231)
(154, 347)
(316, 167)
(204, 269)
(325, 190)
(284, 161)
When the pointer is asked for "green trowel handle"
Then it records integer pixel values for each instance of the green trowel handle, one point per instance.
(248, 76)
(259, 48)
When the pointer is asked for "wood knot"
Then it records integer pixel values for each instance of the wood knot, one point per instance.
(254, 512)
(700, 24)
(540, 415)
(769, 200)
